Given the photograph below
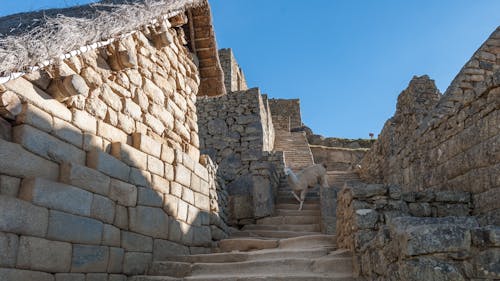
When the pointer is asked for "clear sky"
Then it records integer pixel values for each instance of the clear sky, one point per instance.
(347, 60)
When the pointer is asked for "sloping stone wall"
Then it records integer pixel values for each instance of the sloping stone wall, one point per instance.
(236, 130)
(447, 142)
(234, 79)
(100, 169)
(337, 158)
(413, 236)
(286, 114)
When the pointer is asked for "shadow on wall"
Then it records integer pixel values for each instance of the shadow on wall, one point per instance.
(68, 205)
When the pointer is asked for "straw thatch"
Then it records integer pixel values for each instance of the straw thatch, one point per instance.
(28, 39)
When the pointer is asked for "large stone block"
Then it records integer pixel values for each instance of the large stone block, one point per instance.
(109, 165)
(149, 197)
(47, 146)
(8, 249)
(201, 201)
(96, 277)
(88, 258)
(188, 195)
(117, 277)
(169, 172)
(149, 221)
(146, 144)
(171, 205)
(10, 274)
(160, 184)
(124, 193)
(182, 210)
(140, 177)
(18, 162)
(116, 256)
(202, 236)
(43, 255)
(103, 209)
(76, 229)
(121, 217)
(164, 248)
(167, 154)
(9, 185)
(136, 263)
(155, 166)
(35, 117)
(18, 216)
(86, 178)
(110, 132)
(56, 196)
(85, 121)
(182, 175)
(39, 98)
(5, 130)
(129, 155)
(111, 235)
(67, 132)
(133, 242)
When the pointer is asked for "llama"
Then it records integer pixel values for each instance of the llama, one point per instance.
(307, 178)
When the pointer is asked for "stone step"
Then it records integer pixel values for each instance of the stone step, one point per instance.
(296, 227)
(274, 233)
(255, 244)
(281, 277)
(295, 205)
(285, 212)
(249, 256)
(290, 220)
(292, 200)
(263, 267)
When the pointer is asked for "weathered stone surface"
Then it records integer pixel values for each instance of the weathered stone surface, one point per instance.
(56, 196)
(35, 117)
(149, 221)
(430, 269)
(121, 217)
(103, 209)
(116, 256)
(136, 263)
(420, 209)
(155, 166)
(201, 201)
(18, 216)
(486, 263)
(171, 205)
(123, 193)
(76, 229)
(43, 255)
(70, 277)
(133, 242)
(117, 277)
(10, 274)
(140, 177)
(149, 197)
(8, 249)
(188, 195)
(96, 277)
(5, 130)
(86, 178)
(164, 248)
(109, 165)
(88, 258)
(111, 235)
(167, 154)
(67, 132)
(129, 155)
(160, 184)
(16, 161)
(202, 236)
(47, 146)
(84, 121)
(453, 196)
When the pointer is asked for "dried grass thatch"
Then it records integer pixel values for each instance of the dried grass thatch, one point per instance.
(28, 39)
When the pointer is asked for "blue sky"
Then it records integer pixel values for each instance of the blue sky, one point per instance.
(347, 60)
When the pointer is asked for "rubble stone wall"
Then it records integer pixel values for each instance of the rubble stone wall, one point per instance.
(286, 114)
(428, 235)
(448, 142)
(100, 169)
(237, 131)
(234, 79)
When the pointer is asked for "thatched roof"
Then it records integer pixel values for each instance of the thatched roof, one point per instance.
(27, 39)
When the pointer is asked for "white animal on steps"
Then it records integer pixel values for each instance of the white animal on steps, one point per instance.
(307, 178)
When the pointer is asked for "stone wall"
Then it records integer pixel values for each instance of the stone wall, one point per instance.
(337, 158)
(236, 130)
(447, 142)
(339, 142)
(234, 79)
(100, 170)
(427, 235)
(286, 114)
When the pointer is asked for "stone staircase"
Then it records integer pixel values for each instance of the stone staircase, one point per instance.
(338, 178)
(286, 246)
(295, 149)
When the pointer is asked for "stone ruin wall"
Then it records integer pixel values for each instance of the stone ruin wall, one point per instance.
(447, 142)
(237, 131)
(427, 235)
(234, 79)
(101, 171)
(285, 114)
(337, 158)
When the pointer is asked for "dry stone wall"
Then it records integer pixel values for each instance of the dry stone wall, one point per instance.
(448, 142)
(100, 170)
(236, 130)
(286, 114)
(234, 79)
(427, 235)
(337, 158)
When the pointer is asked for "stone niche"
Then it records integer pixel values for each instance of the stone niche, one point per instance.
(236, 130)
